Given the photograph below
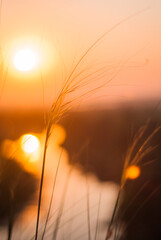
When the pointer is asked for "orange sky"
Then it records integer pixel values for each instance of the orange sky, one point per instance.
(62, 30)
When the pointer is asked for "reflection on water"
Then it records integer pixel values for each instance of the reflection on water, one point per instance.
(80, 202)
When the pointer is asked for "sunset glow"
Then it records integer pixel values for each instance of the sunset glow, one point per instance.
(25, 60)
(30, 143)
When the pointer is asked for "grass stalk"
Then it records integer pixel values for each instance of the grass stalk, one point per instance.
(52, 195)
(59, 108)
(61, 205)
(41, 182)
(109, 229)
(130, 160)
(88, 210)
(144, 203)
(97, 220)
(10, 225)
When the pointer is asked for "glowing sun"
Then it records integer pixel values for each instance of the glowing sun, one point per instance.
(25, 60)
(30, 143)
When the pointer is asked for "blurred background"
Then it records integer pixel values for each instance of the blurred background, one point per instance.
(41, 42)
(93, 145)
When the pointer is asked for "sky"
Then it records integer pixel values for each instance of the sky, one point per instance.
(61, 31)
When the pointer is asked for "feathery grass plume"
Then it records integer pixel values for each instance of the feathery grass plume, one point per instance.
(17, 189)
(72, 83)
(136, 152)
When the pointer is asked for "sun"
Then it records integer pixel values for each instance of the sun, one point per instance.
(25, 59)
(30, 143)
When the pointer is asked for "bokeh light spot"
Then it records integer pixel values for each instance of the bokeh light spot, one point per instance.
(133, 172)
(30, 143)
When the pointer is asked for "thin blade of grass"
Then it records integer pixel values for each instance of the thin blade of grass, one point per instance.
(52, 195)
(41, 184)
(144, 202)
(109, 230)
(88, 209)
(97, 220)
(62, 205)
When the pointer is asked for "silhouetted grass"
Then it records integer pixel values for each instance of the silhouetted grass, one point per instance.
(17, 189)
(58, 109)
(17, 186)
(135, 154)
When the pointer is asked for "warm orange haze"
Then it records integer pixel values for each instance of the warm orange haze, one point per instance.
(80, 122)
(58, 42)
